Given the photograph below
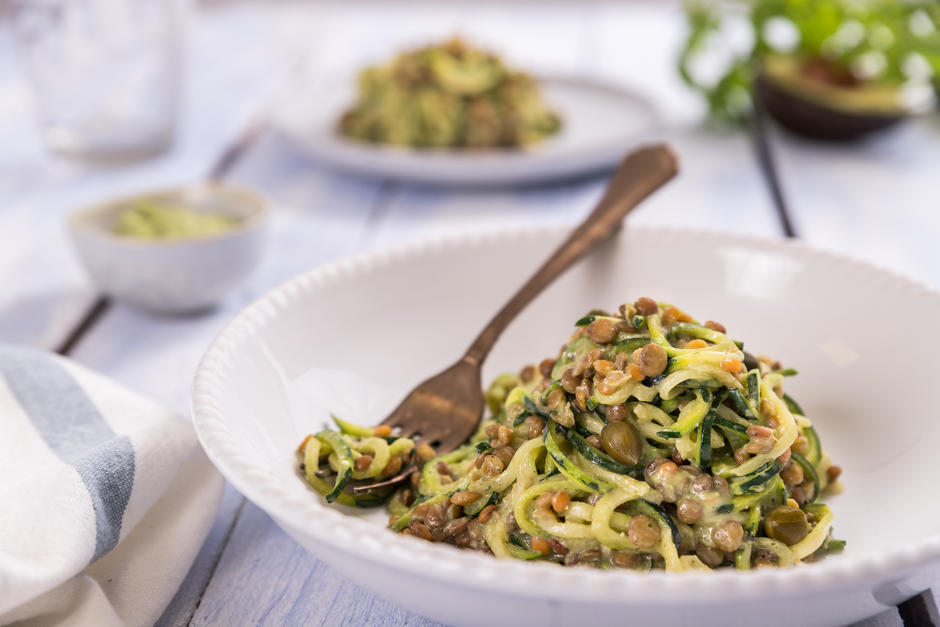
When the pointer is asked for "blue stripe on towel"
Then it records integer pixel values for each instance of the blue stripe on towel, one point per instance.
(75, 430)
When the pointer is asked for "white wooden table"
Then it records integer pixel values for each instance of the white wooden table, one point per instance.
(876, 200)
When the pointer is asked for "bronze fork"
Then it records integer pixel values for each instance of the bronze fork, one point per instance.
(446, 409)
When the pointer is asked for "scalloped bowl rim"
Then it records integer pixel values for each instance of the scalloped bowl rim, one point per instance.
(372, 543)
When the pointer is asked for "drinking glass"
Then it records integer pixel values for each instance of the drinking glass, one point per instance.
(106, 73)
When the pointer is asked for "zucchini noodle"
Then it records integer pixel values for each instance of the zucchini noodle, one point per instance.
(815, 538)
(670, 554)
(449, 95)
(692, 562)
(601, 518)
(527, 499)
(496, 536)
(649, 441)
(380, 455)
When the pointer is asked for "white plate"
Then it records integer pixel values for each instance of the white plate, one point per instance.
(600, 125)
(354, 336)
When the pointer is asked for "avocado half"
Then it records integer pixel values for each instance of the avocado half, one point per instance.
(819, 109)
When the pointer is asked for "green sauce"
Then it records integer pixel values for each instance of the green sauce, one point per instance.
(154, 219)
(449, 95)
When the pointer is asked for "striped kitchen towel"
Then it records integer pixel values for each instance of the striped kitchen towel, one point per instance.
(105, 497)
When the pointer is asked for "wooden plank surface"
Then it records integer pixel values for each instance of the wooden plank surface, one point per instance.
(45, 290)
(249, 571)
(265, 578)
(875, 199)
(712, 193)
(316, 217)
(183, 605)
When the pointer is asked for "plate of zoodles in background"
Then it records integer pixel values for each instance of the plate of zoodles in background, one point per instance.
(451, 113)
(665, 460)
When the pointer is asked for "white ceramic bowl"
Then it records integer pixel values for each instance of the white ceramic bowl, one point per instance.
(172, 275)
(352, 337)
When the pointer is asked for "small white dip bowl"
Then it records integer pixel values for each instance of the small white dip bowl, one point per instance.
(178, 275)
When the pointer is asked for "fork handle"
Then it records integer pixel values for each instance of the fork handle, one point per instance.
(639, 174)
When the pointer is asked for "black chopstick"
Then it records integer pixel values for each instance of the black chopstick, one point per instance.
(920, 610)
(237, 149)
(765, 159)
(88, 320)
(220, 168)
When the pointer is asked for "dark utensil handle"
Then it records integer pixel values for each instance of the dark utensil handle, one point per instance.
(768, 167)
(640, 174)
(234, 151)
(88, 320)
(920, 611)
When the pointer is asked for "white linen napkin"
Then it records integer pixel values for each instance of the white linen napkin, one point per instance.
(105, 497)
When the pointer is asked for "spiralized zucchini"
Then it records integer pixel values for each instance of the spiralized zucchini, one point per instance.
(650, 441)
(448, 96)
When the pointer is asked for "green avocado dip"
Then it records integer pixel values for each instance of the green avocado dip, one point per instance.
(155, 219)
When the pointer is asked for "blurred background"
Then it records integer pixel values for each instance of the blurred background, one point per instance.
(792, 118)
(107, 99)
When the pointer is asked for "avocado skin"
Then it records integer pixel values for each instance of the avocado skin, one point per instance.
(815, 121)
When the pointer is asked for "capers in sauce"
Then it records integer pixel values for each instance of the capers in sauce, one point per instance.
(786, 524)
(621, 441)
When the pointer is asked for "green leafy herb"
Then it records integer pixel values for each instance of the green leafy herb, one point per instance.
(887, 42)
